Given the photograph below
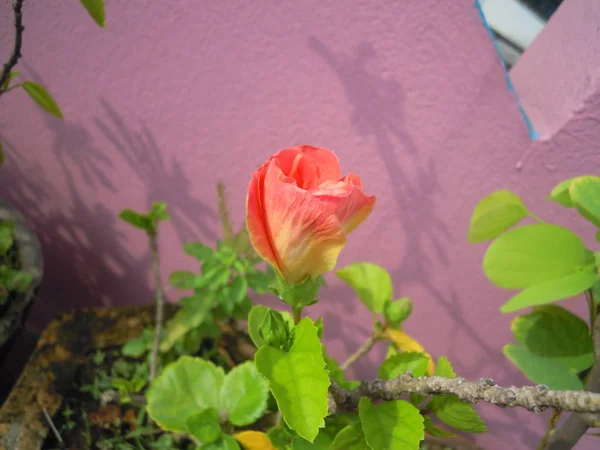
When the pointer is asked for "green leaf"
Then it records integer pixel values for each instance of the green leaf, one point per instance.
(298, 380)
(533, 254)
(11, 76)
(350, 438)
(402, 363)
(274, 330)
(552, 290)
(398, 311)
(134, 347)
(279, 437)
(372, 284)
(225, 443)
(597, 237)
(184, 279)
(393, 425)
(542, 370)
(137, 220)
(244, 394)
(7, 232)
(18, 280)
(186, 386)
(204, 425)
(585, 194)
(337, 374)
(255, 318)
(213, 278)
(457, 414)
(450, 409)
(159, 211)
(554, 333)
(495, 214)
(95, 8)
(560, 194)
(42, 97)
(432, 430)
(239, 289)
(194, 311)
(198, 250)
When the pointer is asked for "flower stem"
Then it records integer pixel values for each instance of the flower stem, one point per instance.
(297, 314)
(160, 305)
(363, 350)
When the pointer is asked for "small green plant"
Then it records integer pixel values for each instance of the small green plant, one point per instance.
(12, 279)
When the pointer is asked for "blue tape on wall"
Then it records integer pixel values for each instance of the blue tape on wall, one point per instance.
(532, 133)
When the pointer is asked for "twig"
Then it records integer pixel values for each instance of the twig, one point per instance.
(552, 422)
(16, 54)
(362, 351)
(576, 425)
(52, 427)
(533, 398)
(160, 305)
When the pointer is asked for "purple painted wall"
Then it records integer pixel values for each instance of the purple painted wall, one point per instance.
(174, 96)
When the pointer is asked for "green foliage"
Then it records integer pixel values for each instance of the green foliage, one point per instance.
(297, 295)
(7, 232)
(554, 347)
(585, 195)
(495, 214)
(560, 194)
(350, 438)
(393, 425)
(372, 284)
(95, 8)
(42, 97)
(548, 261)
(226, 442)
(298, 379)
(194, 312)
(450, 409)
(398, 311)
(275, 331)
(148, 221)
(204, 425)
(256, 317)
(172, 398)
(396, 365)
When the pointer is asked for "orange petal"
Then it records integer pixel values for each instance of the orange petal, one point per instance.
(406, 343)
(309, 166)
(347, 200)
(306, 236)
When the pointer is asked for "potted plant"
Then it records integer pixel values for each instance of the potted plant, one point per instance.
(21, 260)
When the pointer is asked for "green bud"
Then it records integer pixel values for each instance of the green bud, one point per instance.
(398, 311)
(274, 330)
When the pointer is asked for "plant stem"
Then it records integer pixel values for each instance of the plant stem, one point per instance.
(297, 314)
(160, 304)
(16, 54)
(536, 217)
(552, 422)
(362, 351)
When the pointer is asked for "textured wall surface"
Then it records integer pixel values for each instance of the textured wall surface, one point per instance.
(174, 96)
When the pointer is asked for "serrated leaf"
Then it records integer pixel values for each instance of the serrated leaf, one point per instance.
(7, 232)
(204, 425)
(393, 425)
(554, 333)
(350, 438)
(244, 394)
(397, 311)
(173, 395)
(406, 343)
(42, 97)
(404, 362)
(451, 410)
(254, 440)
(337, 374)
(541, 370)
(585, 195)
(184, 279)
(214, 277)
(255, 318)
(495, 214)
(372, 284)
(551, 291)
(239, 289)
(298, 380)
(95, 9)
(198, 250)
(136, 219)
(432, 430)
(533, 254)
(226, 442)
(194, 311)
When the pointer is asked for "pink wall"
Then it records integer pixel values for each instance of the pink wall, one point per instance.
(174, 96)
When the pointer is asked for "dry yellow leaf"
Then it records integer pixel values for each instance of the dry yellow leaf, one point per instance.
(406, 343)
(254, 440)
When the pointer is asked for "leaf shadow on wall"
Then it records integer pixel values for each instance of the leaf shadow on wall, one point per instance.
(378, 113)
